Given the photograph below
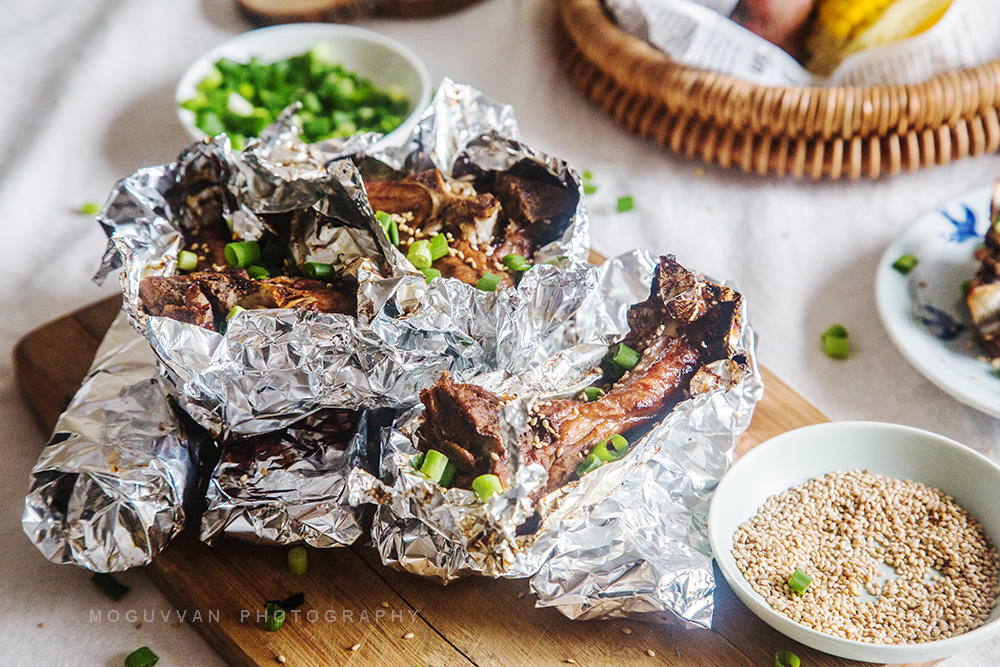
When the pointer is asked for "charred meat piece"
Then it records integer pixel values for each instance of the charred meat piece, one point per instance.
(983, 297)
(330, 428)
(205, 298)
(517, 216)
(683, 324)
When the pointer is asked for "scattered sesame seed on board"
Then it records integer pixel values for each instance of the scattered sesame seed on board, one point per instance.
(281, 658)
(626, 631)
(408, 635)
(651, 653)
(356, 647)
(385, 605)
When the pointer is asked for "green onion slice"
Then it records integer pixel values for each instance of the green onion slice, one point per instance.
(612, 449)
(389, 226)
(905, 264)
(588, 175)
(487, 486)
(835, 331)
(836, 348)
(434, 464)
(431, 273)
(241, 254)
(592, 393)
(298, 560)
(419, 254)
(258, 272)
(417, 461)
(438, 246)
(317, 270)
(489, 282)
(589, 188)
(141, 657)
(589, 464)
(274, 617)
(624, 356)
(786, 659)
(108, 585)
(89, 208)
(516, 263)
(799, 581)
(186, 260)
(625, 203)
(448, 476)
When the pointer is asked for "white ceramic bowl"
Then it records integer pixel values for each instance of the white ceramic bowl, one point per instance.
(384, 61)
(885, 449)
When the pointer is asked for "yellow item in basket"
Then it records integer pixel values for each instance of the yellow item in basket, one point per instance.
(843, 27)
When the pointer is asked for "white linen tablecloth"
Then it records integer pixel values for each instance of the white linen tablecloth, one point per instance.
(89, 97)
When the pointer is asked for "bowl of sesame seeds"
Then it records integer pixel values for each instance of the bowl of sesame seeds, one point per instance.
(865, 540)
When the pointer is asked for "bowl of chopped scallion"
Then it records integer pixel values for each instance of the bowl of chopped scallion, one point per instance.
(349, 81)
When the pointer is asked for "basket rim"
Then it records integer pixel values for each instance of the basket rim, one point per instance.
(801, 111)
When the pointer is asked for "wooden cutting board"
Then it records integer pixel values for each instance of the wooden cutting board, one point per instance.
(411, 621)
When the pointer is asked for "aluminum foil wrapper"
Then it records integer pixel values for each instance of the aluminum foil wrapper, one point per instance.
(288, 486)
(109, 489)
(273, 367)
(625, 539)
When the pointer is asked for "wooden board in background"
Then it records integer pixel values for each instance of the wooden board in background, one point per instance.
(472, 621)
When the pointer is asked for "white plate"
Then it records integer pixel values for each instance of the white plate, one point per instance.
(885, 449)
(374, 56)
(943, 241)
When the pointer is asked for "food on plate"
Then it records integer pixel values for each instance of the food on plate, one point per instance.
(882, 560)
(241, 99)
(483, 232)
(841, 28)
(983, 293)
(224, 275)
(642, 379)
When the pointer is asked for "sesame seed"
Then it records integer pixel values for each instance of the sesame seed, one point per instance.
(408, 635)
(520, 595)
(385, 605)
(626, 631)
(356, 647)
(494, 456)
(282, 659)
(651, 653)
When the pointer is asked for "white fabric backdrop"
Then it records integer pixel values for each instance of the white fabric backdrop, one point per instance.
(88, 98)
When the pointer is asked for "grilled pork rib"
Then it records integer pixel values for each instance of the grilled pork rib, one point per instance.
(506, 214)
(681, 326)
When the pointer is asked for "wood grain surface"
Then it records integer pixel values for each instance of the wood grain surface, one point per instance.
(472, 621)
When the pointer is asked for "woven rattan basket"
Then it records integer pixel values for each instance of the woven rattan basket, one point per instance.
(803, 131)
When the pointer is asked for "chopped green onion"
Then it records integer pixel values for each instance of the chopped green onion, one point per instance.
(905, 264)
(317, 270)
(590, 463)
(592, 393)
(298, 560)
(588, 176)
(389, 226)
(417, 461)
(966, 287)
(434, 464)
(487, 486)
(835, 331)
(516, 263)
(438, 246)
(241, 254)
(625, 204)
(273, 253)
(89, 208)
(274, 617)
(141, 657)
(258, 272)
(995, 372)
(612, 449)
(108, 585)
(489, 282)
(589, 188)
(786, 659)
(448, 476)
(419, 254)
(799, 581)
(430, 274)
(186, 260)
(835, 344)
(236, 310)
(624, 356)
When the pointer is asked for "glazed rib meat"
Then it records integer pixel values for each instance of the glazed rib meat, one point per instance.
(506, 214)
(204, 298)
(681, 326)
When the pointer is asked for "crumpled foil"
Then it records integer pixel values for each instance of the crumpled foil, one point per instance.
(289, 486)
(108, 491)
(272, 367)
(626, 539)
